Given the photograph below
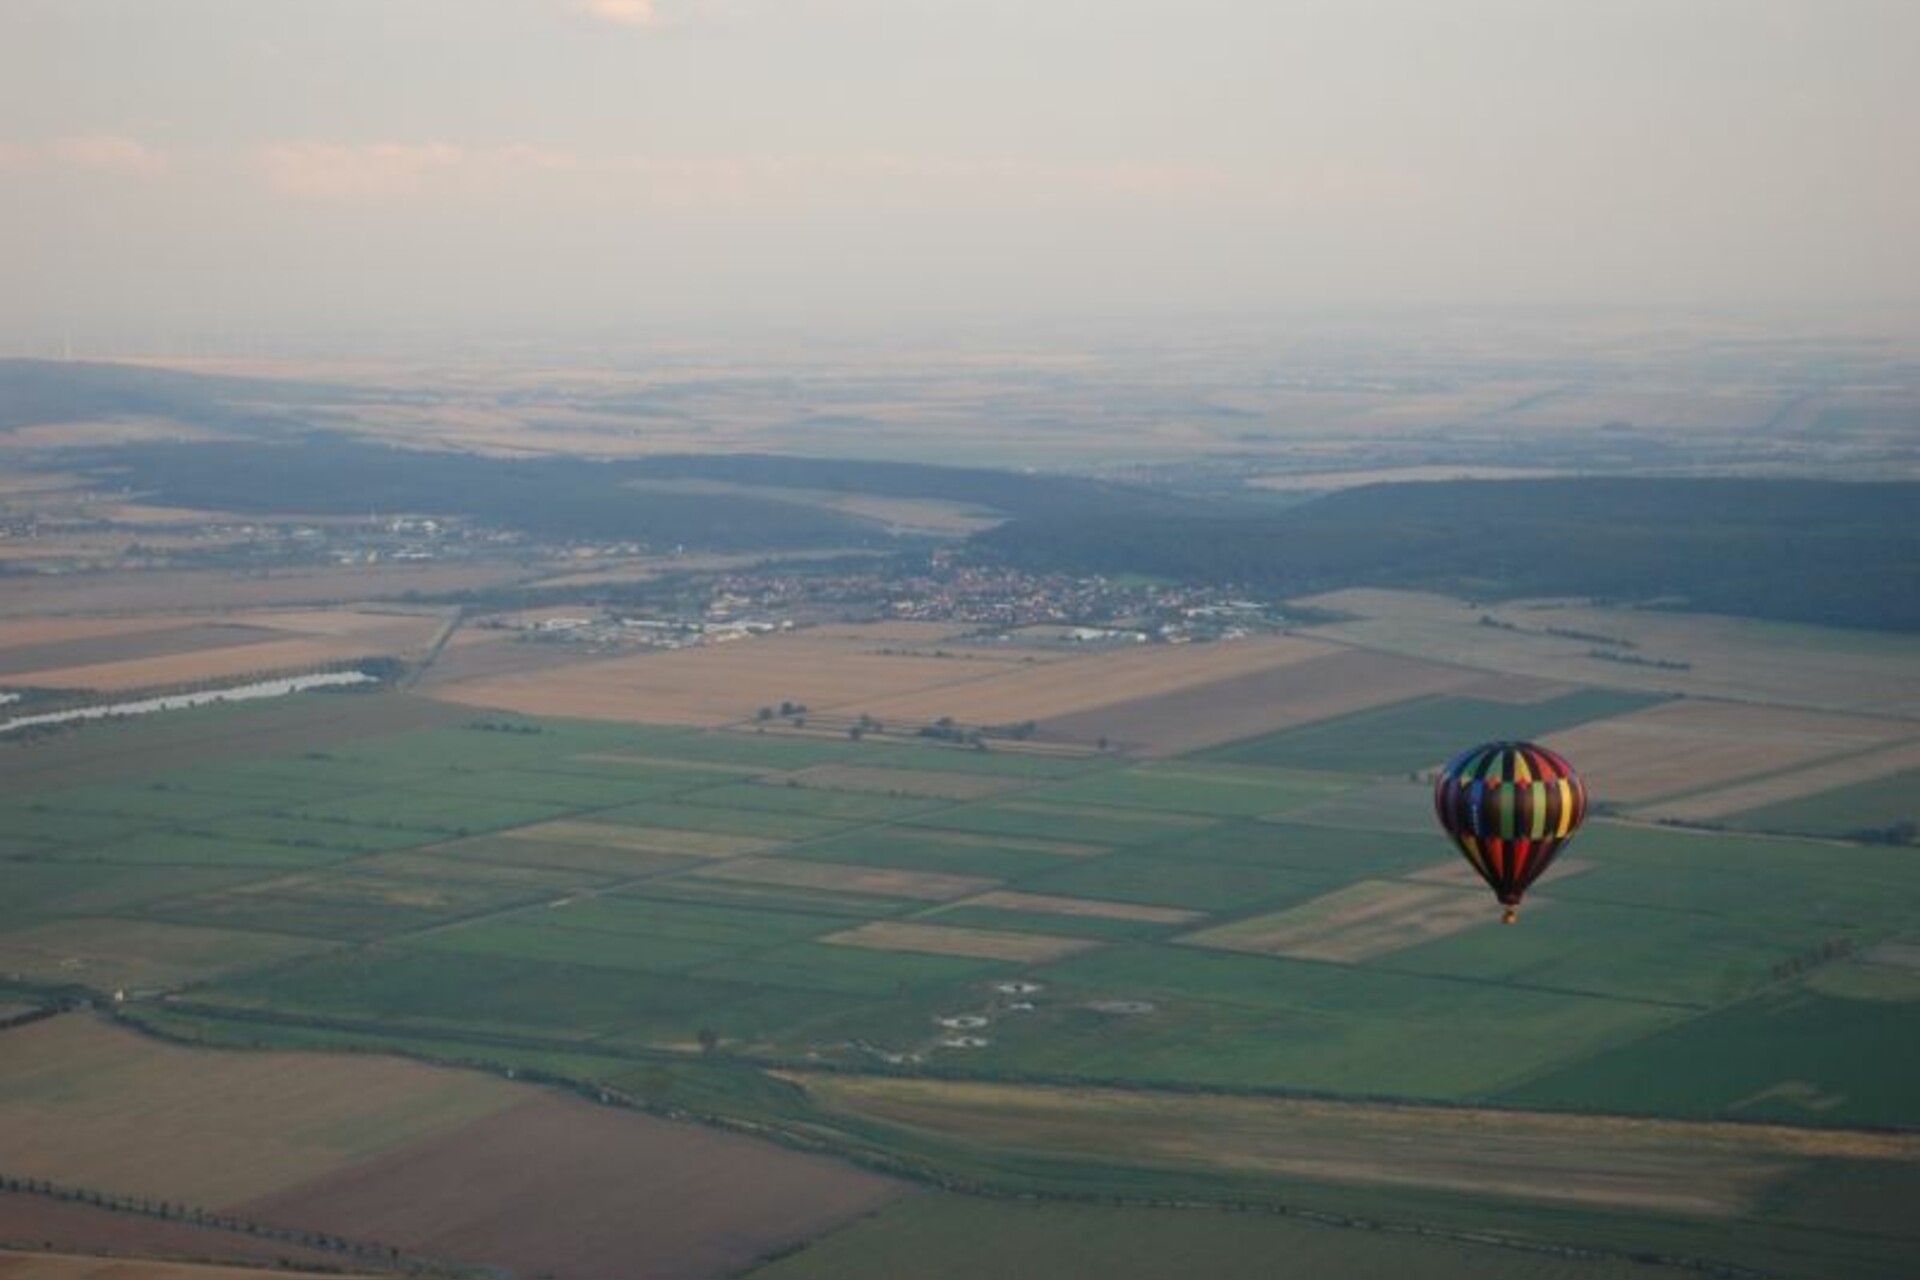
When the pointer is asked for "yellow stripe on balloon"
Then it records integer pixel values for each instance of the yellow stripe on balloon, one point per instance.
(1471, 847)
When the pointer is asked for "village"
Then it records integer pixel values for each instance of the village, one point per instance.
(1008, 606)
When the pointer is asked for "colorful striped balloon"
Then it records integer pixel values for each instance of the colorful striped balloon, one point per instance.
(1510, 806)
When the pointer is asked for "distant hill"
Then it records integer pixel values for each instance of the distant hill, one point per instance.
(320, 473)
(565, 498)
(49, 392)
(1803, 551)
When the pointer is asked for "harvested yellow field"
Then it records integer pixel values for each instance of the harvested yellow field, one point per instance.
(1734, 658)
(87, 1104)
(881, 881)
(1361, 921)
(1658, 1166)
(1792, 785)
(1093, 908)
(1081, 682)
(192, 668)
(944, 940)
(917, 783)
(139, 653)
(1694, 745)
(825, 671)
(607, 835)
(910, 673)
(1323, 682)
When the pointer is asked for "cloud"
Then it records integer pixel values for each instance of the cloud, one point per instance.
(334, 172)
(370, 171)
(620, 13)
(90, 153)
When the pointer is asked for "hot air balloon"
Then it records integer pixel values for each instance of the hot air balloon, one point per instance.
(1510, 806)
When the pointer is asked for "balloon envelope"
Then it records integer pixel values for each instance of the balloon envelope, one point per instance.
(1510, 807)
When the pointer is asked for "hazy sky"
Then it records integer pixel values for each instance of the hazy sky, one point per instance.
(475, 164)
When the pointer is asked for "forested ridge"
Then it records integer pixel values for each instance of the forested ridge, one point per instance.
(321, 473)
(1793, 550)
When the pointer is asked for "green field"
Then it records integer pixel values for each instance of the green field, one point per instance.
(1082, 823)
(1791, 1055)
(920, 849)
(1211, 791)
(765, 824)
(1654, 930)
(402, 888)
(1170, 881)
(1883, 808)
(1423, 732)
(812, 802)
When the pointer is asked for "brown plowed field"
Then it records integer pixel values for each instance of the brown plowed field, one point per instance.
(85, 1103)
(95, 651)
(556, 1186)
(1323, 682)
(1678, 748)
(37, 1221)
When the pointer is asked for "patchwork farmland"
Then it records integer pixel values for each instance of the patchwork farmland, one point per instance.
(786, 928)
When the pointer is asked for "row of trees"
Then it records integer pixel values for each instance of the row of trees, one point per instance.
(193, 1215)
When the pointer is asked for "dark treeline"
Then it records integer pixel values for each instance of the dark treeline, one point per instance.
(1013, 493)
(564, 498)
(1803, 551)
(319, 473)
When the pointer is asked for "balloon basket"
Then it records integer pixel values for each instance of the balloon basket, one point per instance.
(1510, 916)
